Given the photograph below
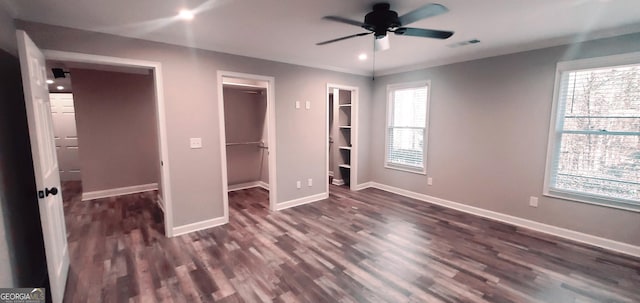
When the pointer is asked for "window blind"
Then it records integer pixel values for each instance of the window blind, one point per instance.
(406, 132)
(598, 134)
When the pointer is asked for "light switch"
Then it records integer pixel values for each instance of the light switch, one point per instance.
(297, 104)
(307, 105)
(195, 142)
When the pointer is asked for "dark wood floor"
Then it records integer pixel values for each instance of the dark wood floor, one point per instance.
(369, 246)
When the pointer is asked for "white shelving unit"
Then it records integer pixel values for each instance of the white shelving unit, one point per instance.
(344, 134)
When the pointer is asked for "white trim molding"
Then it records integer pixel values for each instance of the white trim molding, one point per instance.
(520, 222)
(301, 201)
(160, 202)
(271, 136)
(118, 191)
(363, 185)
(193, 227)
(248, 185)
(353, 170)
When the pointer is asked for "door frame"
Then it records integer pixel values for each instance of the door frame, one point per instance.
(353, 173)
(156, 67)
(271, 133)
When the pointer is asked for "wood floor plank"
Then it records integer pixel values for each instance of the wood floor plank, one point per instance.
(366, 246)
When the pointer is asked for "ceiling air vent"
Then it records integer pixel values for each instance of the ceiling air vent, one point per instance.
(464, 43)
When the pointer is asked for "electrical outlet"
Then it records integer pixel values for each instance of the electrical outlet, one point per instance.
(298, 184)
(533, 201)
(429, 181)
(310, 182)
(195, 142)
(308, 105)
(297, 104)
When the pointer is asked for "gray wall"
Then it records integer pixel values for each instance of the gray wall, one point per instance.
(22, 259)
(488, 137)
(245, 118)
(116, 125)
(190, 93)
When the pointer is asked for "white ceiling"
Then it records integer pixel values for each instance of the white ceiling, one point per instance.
(287, 30)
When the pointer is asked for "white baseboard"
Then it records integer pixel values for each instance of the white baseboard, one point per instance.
(160, 202)
(337, 182)
(118, 191)
(247, 185)
(362, 186)
(533, 225)
(301, 201)
(189, 228)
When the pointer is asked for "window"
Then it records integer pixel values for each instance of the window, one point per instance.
(594, 140)
(407, 120)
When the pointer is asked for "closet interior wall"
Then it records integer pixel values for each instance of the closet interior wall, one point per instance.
(245, 110)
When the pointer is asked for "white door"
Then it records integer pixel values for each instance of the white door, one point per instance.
(66, 136)
(45, 164)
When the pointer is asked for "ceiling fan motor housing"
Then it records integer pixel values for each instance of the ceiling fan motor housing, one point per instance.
(381, 19)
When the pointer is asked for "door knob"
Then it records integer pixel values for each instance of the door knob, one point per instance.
(47, 191)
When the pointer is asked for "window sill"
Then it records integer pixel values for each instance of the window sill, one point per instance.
(419, 171)
(611, 203)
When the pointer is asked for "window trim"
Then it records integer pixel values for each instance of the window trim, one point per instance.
(553, 144)
(400, 167)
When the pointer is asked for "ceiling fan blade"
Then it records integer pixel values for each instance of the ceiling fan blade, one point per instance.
(343, 38)
(344, 20)
(421, 32)
(429, 10)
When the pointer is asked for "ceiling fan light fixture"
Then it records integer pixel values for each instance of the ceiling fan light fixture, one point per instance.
(382, 44)
(362, 57)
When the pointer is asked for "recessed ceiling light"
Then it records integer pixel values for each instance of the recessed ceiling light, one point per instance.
(362, 57)
(49, 81)
(60, 87)
(186, 14)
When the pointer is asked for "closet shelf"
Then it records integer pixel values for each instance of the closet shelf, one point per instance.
(345, 166)
(345, 147)
(345, 105)
(346, 126)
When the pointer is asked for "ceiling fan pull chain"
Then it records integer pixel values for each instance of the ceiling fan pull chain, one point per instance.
(373, 72)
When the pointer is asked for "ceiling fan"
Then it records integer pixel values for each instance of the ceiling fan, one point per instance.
(383, 20)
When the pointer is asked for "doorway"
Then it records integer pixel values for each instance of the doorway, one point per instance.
(342, 135)
(122, 64)
(246, 108)
(104, 129)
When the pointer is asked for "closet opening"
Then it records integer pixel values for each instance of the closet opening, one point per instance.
(342, 133)
(247, 132)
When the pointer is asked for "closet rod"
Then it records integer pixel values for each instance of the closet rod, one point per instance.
(245, 143)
